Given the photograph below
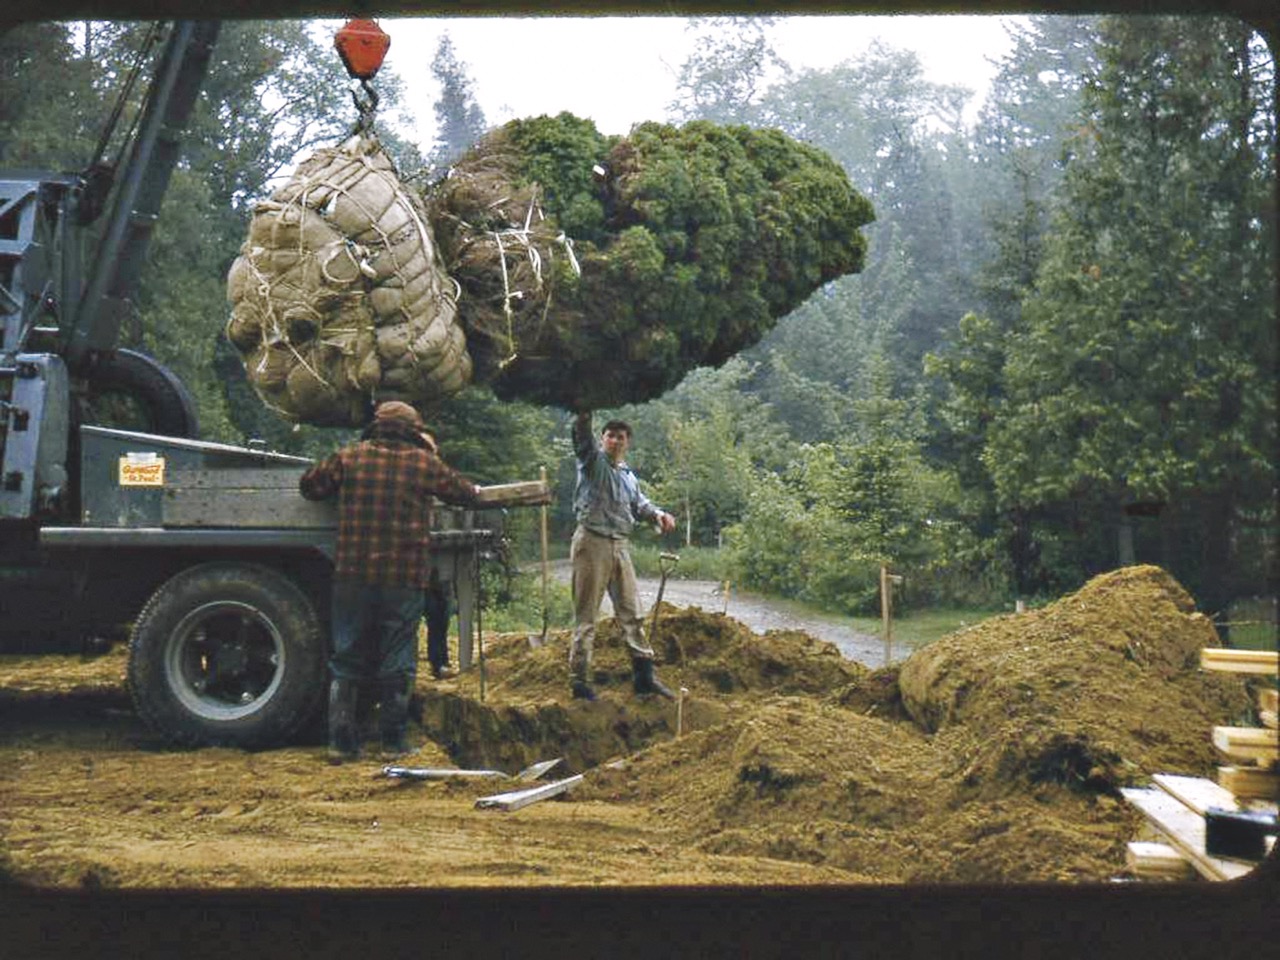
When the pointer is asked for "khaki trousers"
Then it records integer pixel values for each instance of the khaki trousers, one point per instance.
(599, 564)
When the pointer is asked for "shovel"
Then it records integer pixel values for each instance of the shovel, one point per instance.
(666, 563)
(529, 773)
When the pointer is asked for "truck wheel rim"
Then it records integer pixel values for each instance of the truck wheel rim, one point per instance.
(225, 660)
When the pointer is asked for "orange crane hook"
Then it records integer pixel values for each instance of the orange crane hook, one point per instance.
(362, 44)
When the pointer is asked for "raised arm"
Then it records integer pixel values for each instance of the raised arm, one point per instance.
(584, 439)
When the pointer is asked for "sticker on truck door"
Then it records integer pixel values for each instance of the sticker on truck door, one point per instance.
(142, 470)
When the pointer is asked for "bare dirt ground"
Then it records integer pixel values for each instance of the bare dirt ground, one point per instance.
(995, 754)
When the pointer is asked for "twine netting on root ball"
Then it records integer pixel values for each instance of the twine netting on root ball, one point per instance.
(597, 271)
(338, 297)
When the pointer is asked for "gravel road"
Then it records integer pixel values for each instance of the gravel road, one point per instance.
(757, 613)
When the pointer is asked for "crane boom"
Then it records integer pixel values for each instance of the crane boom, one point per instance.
(112, 278)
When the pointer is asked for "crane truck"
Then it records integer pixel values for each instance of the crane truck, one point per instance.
(203, 554)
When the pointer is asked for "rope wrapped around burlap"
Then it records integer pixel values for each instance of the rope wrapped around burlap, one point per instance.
(338, 298)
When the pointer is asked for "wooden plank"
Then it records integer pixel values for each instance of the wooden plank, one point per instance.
(1184, 830)
(1268, 719)
(1248, 743)
(1197, 793)
(1269, 699)
(1250, 782)
(1157, 861)
(1266, 662)
(526, 493)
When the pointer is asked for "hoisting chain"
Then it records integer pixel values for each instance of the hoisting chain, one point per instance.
(366, 106)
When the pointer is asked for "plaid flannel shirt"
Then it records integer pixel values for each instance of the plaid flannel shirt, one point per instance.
(384, 484)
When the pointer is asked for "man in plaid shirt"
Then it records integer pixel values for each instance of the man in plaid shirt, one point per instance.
(383, 484)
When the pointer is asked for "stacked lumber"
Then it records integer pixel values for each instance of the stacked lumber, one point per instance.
(1179, 809)
(1254, 751)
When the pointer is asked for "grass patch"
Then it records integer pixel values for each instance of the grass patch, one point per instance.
(517, 605)
(919, 628)
(696, 563)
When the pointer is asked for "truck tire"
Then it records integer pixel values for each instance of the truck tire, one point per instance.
(128, 390)
(227, 654)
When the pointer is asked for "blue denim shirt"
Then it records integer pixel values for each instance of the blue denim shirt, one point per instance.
(606, 498)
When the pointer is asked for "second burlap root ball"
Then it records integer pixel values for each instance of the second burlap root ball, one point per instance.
(338, 298)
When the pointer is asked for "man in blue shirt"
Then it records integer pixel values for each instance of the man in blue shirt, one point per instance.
(607, 503)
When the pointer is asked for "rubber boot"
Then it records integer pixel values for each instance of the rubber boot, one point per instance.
(645, 682)
(344, 744)
(393, 718)
(581, 689)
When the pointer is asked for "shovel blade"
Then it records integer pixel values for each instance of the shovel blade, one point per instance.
(536, 770)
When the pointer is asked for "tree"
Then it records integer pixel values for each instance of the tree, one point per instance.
(727, 71)
(1143, 379)
(459, 120)
(885, 125)
(710, 434)
(49, 111)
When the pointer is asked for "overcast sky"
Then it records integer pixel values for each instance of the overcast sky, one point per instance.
(618, 71)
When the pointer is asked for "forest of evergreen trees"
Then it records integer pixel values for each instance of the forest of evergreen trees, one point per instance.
(1059, 358)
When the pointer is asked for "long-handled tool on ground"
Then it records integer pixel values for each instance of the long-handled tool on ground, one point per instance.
(666, 563)
(529, 773)
(515, 799)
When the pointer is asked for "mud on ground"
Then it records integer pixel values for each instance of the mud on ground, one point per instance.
(995, 754)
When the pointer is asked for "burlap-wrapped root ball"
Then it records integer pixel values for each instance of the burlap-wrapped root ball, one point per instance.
(338, 297)
(597, 271)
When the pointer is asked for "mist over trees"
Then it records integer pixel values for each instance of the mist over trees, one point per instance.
(1059, 357)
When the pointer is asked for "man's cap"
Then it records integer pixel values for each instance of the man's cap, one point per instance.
(399, 410)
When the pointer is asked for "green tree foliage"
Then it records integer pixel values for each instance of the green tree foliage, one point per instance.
(49, 110)
(724, 77)
(700, 446)
(886, 126)
(1144, 374)
(1018, 154)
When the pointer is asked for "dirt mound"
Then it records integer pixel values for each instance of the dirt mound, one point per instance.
(1096, 690)
(990, 756)
(525, 714)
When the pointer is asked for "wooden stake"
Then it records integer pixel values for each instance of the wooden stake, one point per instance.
(886, 613)
(542, 476)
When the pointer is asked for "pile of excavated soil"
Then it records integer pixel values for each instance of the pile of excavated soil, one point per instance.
(993, 755)
(1097, 689)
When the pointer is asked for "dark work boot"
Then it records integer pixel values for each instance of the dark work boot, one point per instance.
(644, 681)
(344, 744)
(393, 718)
(582, 690)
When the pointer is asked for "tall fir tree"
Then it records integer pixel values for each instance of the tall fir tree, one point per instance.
(459, 120)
